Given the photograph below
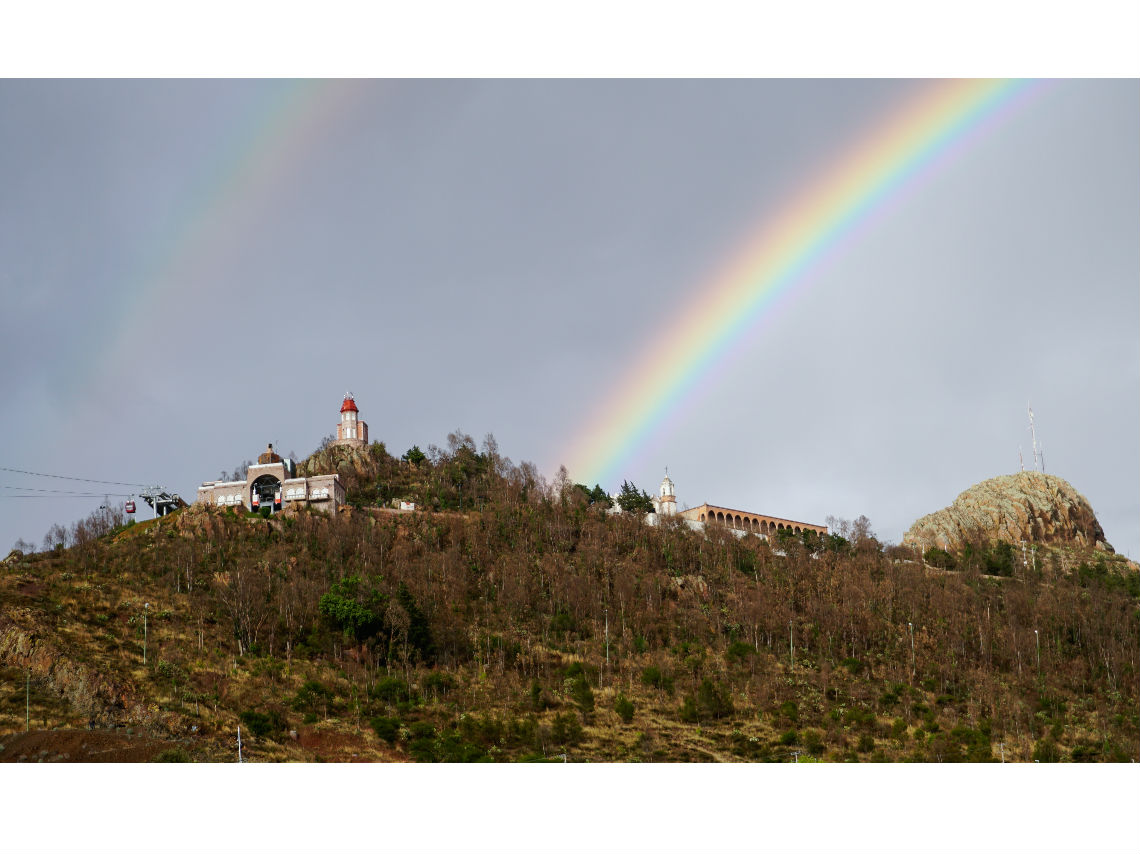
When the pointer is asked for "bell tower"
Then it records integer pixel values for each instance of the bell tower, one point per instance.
(351, 430)
(666, 498)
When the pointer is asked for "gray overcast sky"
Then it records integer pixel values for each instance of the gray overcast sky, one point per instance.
(191, 269)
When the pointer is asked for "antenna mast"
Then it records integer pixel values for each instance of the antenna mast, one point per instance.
(1033, 433)
(1020, 458)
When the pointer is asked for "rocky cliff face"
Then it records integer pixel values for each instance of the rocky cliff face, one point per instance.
(1029, 506)
(356, 466)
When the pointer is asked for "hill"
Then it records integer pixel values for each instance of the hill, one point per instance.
(1027, 507)
(512, 620)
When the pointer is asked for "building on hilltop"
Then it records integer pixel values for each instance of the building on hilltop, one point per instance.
(351, 431)
(273, 482)
(665, 501)
(665, 504)
(750, 523)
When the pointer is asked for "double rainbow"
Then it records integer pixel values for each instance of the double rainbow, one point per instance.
(803, 231)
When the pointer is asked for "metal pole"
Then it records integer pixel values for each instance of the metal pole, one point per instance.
(146, 607)
(28, 704)
(910, 626)
(792, 647)
(1038, 637)
(239, 744)
(607, 639)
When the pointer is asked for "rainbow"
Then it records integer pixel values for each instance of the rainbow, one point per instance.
(186, 257)
(730, 304)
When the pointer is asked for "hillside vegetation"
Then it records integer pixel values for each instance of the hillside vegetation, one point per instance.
(514, 620)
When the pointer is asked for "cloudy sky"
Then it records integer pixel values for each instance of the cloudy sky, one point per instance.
(192, 269)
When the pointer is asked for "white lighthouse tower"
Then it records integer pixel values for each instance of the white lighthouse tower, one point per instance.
(351, 430)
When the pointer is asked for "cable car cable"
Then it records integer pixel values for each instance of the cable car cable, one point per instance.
(66, 477)
(67, 491)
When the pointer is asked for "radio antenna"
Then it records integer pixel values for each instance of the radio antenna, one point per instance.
(1033, 433)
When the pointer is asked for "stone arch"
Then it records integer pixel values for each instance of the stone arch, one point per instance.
(720, 517)
(702, 517)
(266, 488)
(798, 531)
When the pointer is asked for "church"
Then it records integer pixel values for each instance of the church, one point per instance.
(747, 522)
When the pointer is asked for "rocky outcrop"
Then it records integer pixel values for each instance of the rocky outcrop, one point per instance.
(356, 466)
(93, 693)
(1030, 507)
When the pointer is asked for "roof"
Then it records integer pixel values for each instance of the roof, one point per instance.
(349, 404)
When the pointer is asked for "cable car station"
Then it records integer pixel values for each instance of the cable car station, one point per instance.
(273, 483)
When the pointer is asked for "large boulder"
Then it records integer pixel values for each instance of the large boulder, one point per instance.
(1029, 507)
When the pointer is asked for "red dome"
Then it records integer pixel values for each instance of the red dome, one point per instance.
(349, 405)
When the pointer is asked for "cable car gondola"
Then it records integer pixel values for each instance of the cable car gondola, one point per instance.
(130, 506)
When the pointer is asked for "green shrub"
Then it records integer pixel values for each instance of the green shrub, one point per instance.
(423, 750)
(866, 743)
(539, 702)
(739, 651)
(581, 694)
(263, 724)
(813, 742)
(999, 559)
(890, 698)
(790, 737)
(1046, 750)
(562, 623)
(452, 748)
(789, 711)
(173, 754)
(713, 700)
(976, 742)
(939, 558)
(386, 728)
(354, 608)
(565, 729)
(624, 708)
(653, 677)
(1086, 752)
(438, 684)
(391, 689)
(312, 697)
(943, 748)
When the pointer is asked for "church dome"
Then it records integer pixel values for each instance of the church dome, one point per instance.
(349, 404)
